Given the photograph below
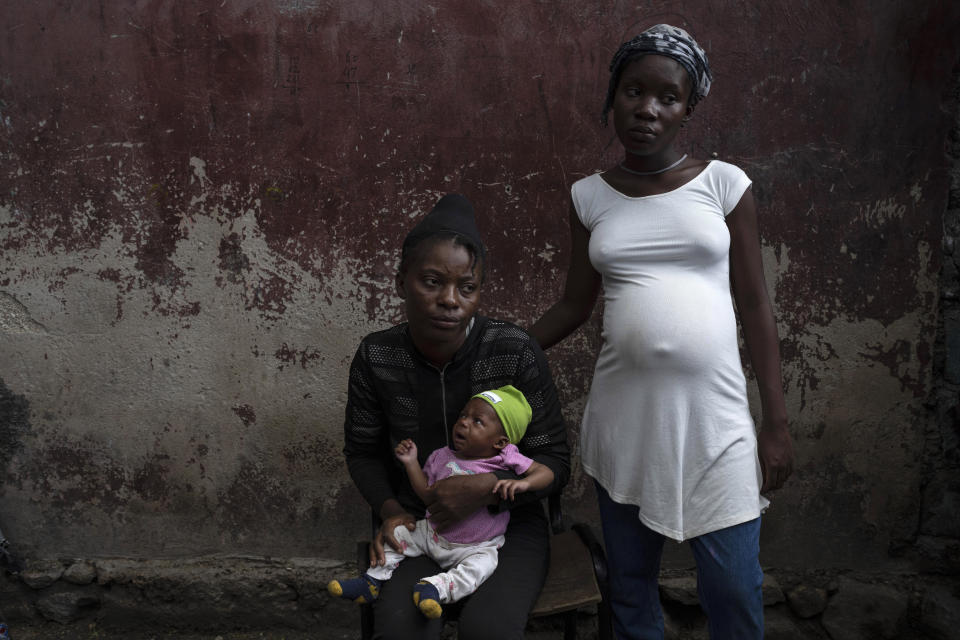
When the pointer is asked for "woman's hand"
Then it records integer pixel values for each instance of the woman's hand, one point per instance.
(390, 522)
(457, 497)
(775, 449)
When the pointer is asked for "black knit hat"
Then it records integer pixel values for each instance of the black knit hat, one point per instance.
(452, 215)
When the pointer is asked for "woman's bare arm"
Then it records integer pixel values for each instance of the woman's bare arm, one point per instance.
(579, 292)
(775, 447)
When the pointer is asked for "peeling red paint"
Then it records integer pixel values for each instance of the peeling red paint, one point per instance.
(270, 295)
(109, 274)
(291, 355)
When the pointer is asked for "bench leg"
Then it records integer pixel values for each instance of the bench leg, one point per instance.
(604, 621)
(570, 625)
(366, 621)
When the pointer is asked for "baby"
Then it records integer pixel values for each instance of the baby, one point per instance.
(484, 440)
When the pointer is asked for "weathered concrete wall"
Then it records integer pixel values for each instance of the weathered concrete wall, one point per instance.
(200, 212)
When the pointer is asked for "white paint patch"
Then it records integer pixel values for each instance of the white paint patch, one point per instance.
(774, 267)
(882, 212)
(926, 257)
(548, 252)
(199, 171)
(916, 193)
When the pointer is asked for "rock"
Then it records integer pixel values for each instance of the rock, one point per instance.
(778, 624)
(80, 573)
(772, 593)
(806, 602)
(862, 611)
(108, 572)
(682, 590)
(684, 623)
(65, 607)
(940, 613)
(42, 575)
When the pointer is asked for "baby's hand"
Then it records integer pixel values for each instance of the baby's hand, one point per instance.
(507, 489)
(406, 451)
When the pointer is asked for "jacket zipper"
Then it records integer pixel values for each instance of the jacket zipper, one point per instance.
(443, 403)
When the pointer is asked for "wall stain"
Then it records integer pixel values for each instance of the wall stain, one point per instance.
(14, 425)
(72, 477)
(270, 296)
(256, 494)
(897, 358)
(232, 258)
(315, 455)
(149, 481)
(247, 415)
(288, 355)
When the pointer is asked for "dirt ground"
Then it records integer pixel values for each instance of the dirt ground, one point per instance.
(90, 631)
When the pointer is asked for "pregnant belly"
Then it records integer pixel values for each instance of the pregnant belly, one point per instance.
(688, 332)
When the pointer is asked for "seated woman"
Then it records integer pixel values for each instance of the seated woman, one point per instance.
(410, 381)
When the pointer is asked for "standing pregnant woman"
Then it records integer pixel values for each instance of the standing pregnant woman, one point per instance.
(667, 433)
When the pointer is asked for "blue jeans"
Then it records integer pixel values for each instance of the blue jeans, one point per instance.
(729, 576)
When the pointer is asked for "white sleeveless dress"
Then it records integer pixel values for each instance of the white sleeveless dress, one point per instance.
(667, 426)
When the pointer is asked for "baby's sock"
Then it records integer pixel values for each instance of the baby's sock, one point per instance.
(427, 599)
(361, 590)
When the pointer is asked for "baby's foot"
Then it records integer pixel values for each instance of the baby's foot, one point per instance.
(361, 590)
(427, 599)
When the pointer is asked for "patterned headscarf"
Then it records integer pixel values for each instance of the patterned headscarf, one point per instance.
(664, 40)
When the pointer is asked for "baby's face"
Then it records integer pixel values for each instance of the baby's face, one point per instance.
(478, 433)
